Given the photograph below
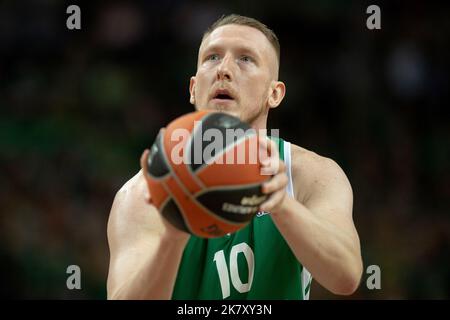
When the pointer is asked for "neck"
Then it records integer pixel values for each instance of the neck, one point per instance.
(260, 122)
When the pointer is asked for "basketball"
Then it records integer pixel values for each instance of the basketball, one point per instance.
(204, 175)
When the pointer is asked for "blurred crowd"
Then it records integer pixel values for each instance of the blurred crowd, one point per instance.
(77, 108)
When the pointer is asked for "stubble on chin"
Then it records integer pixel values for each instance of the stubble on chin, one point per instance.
(248, 118)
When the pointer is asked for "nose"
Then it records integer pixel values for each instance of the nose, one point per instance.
(224, 69)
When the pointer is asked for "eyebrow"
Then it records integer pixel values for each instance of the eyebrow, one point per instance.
(244, 49)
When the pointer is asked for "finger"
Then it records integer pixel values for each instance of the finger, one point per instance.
(273, 200)
(267, 144)
(268, 153)
(268, 147)
(147, 197)
(144, 161)
(272, 148)
(263, 150)
(262, 136)
(278, 182)
(281, 165)
(275, 166)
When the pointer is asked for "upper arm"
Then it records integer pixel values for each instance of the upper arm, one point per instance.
(131, 218)
(326, 190)
(133, 227)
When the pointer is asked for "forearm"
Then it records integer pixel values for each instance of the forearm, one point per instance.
(154, 277)
(331, 255)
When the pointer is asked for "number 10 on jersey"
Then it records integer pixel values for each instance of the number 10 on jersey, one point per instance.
(232, 272)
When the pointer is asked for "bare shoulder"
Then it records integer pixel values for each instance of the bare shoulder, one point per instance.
(313, 173)
(131, 196)
(133, 186)
(131, 217)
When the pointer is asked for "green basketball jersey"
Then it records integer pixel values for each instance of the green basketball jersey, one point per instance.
(252, 263)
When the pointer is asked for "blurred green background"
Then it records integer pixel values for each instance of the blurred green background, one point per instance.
(77, 107)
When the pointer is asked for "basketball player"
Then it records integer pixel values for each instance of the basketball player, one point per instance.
(308, 231)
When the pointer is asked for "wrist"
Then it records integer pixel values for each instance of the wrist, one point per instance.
(174, 237)
(283, 207)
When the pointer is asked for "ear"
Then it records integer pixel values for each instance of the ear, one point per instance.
(276, 94)
(192, 90)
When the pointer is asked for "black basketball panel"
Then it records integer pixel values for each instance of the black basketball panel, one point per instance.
(224, 130)
(157, 166)
(171, 212)
(235, 204)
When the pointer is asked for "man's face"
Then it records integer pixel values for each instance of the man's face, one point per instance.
(237, 67)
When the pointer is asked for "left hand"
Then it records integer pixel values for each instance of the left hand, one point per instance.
(276, 186)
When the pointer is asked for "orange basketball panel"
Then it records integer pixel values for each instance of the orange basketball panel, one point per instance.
(234, 173)
(158, 193)
(198, 220)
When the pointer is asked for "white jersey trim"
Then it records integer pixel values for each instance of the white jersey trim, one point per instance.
(287, 161)
(306, 277)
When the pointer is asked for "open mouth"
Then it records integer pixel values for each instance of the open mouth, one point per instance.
(223, 96)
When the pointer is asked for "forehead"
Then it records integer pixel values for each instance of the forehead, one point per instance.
(238, 36)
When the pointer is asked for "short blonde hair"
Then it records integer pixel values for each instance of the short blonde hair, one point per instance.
(246, 21)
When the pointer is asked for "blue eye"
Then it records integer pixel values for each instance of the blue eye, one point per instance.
(213, 57)
(246, 59)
